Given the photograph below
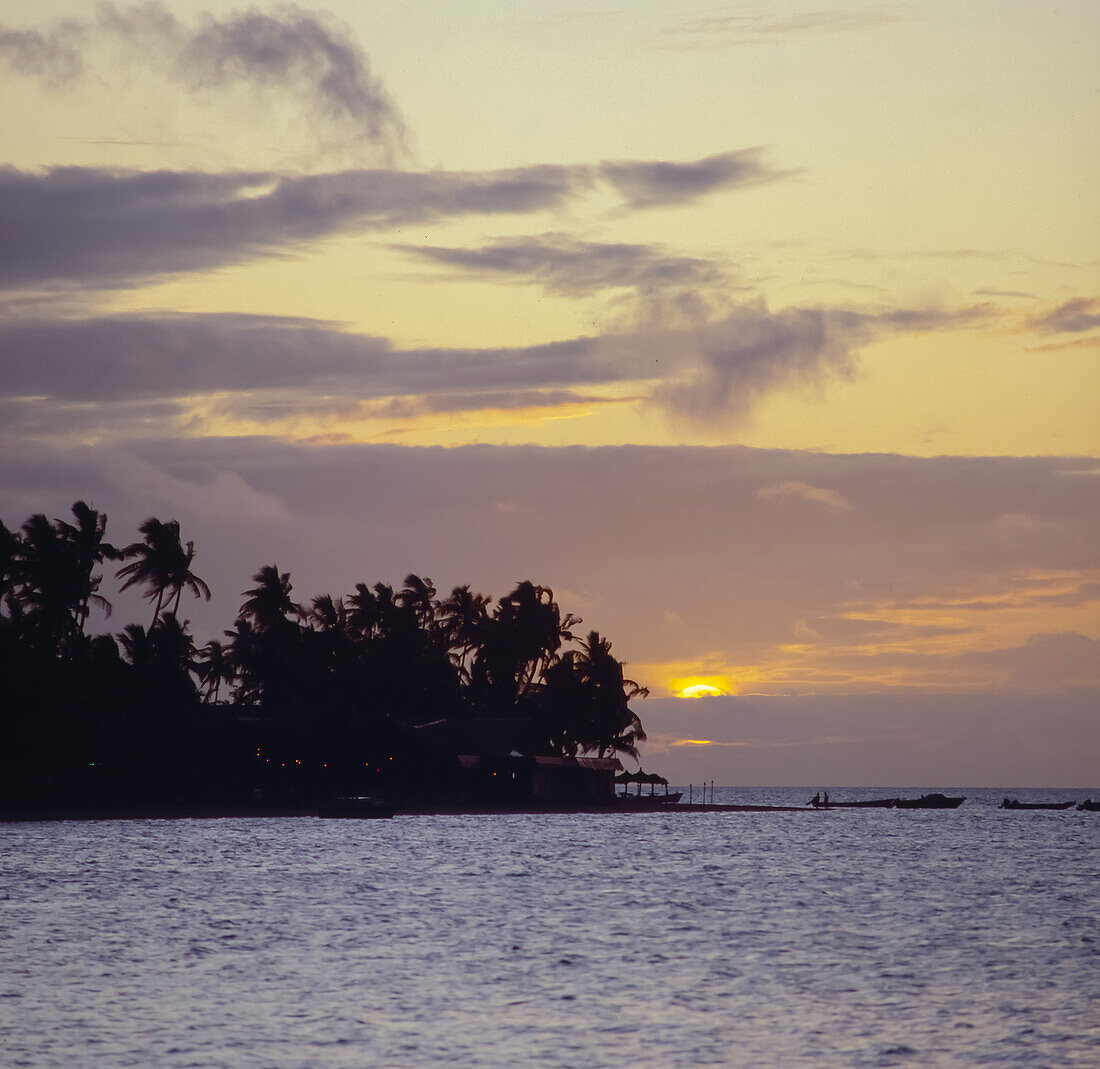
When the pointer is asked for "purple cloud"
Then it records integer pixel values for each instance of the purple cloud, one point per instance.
(306, 53)
(648, 183)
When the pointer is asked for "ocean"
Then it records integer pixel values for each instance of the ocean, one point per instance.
(847, 938)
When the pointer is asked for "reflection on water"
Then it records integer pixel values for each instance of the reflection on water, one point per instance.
(858, 938)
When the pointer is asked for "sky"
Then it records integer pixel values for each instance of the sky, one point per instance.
(766, 335)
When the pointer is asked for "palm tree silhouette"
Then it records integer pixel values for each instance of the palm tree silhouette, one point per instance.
(86, 540)
(162, 564)
(182, 576)
(464, 614)
(418, 595)
(268, 603)
(215, 667)
(155, 563)
(588, 698)
(9, 556)
(54, 567)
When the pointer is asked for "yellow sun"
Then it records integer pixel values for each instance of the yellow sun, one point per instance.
(699, 690)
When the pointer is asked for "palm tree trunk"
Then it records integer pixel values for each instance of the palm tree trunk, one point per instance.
(156, 611)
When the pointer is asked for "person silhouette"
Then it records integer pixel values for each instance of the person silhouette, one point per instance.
(825, 799)
(815, 801)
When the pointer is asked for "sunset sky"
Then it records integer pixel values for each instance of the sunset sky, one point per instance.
(767, 336)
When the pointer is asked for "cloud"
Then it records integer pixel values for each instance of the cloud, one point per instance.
(635, 531)
(645, 184)
(725, 367)
(574, 268)
(99, 227)
(136, 356)
(1043, 663)
(793, 488)
(54, 57)
(765, 28)
(1057, 347)
(282, 369)
(712, 372)
(102, 227)
(921, 741)
(304, 53)
(1072, 317)
(1022, 294)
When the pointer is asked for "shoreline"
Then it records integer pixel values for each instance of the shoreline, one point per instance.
(39, 815)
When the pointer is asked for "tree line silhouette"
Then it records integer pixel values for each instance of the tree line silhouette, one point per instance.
(372, 691)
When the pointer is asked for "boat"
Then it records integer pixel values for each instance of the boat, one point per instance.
(648, 801)
(935, 800)
(361, 806)
(1012, 803)
(1089, 806)
(652, 800)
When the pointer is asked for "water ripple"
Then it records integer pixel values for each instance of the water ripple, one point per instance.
(869, 938)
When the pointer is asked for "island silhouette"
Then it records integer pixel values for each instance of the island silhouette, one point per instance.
(458, 701)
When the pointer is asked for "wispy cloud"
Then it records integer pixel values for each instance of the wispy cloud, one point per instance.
(104, 227)
(53, 56)
(648, 183)
(768, 26)
(803, 491)
(304, 53)
(1071, 317)
(1021, 294)
(574, 268)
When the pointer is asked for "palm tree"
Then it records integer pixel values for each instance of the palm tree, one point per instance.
(88, 547)
(269, 605)
(418, 595)
(613, 726)
(154, 562)
(138, 648)
(464, 614)
(329, 614)
(48, 584)
(9, 557)
(538, 630)
(182, 576)
(215, 667)
(365, 614)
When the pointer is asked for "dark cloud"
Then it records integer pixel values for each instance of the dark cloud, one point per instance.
(1072, 317)
(713, 372)
(103, 227)
(647, 183)
(306, 53)
(130, 357)
(100, 227)
(575, 268)
(753, 351)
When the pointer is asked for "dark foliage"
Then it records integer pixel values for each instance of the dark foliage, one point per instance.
(369, 693)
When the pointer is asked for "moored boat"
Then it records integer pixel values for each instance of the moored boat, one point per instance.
(362, 806)
(648, 801)
(935, 800)
(1012, 803)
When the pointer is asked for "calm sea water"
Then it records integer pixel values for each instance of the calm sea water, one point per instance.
(859, 938)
